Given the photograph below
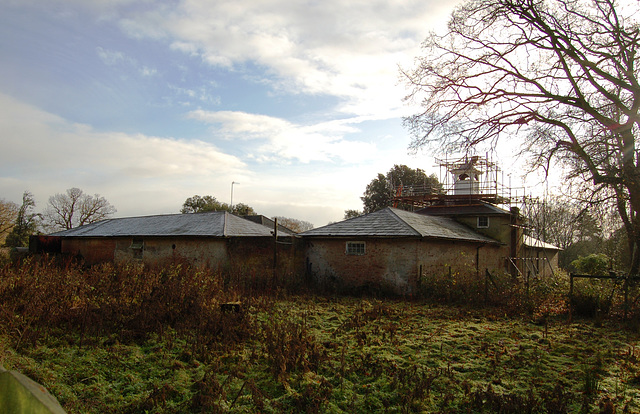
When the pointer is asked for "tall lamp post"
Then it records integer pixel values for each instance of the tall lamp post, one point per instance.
(232, 183)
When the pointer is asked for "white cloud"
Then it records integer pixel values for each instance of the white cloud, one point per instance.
(146, 71)
(109, 57)
(346, 49)
(141, 174)
(309, 170)
(201, 94)
(288, 141)
(114, 58)
(45, 151)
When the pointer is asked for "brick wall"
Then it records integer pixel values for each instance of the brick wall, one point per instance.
(211, 252)
(394, 264)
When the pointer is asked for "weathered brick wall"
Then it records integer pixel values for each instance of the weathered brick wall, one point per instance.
(436, 257)
(387, 264)
(92, 251)
(159, 251)
(210, 252)
(394, 264)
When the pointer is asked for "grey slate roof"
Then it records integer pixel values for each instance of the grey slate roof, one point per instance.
(210, 224)
(392, 222)
(266, 221)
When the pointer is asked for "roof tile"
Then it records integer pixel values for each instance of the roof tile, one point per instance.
(211, 224)
(392, 222)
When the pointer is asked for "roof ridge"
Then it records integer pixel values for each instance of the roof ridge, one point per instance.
(394, 211)
(224, 224)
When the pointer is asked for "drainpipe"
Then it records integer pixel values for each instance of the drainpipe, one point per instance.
(513, 239)
(478, 260)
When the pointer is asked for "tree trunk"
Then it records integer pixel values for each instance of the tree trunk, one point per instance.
(631, 180)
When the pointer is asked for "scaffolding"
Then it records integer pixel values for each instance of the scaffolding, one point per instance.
(534, 221)
(465, 180)
(473, 180)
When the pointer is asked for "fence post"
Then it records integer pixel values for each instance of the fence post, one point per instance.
(570, 297)
(486, 285)
(450, 285)
(626, 295)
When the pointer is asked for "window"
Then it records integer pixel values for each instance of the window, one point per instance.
(137, 245)
(356, 248)
(483, 222)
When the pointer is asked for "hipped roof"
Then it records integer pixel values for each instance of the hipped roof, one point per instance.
(209, 224)
(392, 222)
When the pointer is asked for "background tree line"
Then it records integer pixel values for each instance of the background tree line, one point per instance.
(75, 208)
(200, 204)
(580, 229)
(64, 211)
(381, 191)
(580, 232)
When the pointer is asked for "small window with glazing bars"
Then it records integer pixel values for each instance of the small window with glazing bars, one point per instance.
(356, 248)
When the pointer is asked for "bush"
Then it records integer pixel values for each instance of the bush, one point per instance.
(128, 300)
(594, 264)
(589, 305)
(290, 346)
(453, 286)
(592, 297)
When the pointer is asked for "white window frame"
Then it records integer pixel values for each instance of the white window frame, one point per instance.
(483, 226)
(355, 248)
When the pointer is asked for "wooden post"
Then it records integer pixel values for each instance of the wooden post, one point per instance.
(626, 295)
(275, 251)
(450, 283)
(570, 296)
(486, 285)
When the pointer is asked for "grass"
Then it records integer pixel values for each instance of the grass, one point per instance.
(313, 354)
(173, 350)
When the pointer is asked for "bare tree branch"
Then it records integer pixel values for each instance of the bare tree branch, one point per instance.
(561, 74)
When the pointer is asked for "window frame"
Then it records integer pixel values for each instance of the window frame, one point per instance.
(137, 246)
(483, 226)
(355, 248)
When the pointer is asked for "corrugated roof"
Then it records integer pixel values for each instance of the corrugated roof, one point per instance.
(210, 224)
(392, 222)
(533, 242)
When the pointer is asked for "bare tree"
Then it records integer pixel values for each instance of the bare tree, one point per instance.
(563, 74)
(562, 222)
(75, 208)
(294, 224)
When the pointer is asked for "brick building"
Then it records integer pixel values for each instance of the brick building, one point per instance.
(215, 239)
(392, 249)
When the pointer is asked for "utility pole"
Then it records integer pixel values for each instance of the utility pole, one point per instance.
(231, 205)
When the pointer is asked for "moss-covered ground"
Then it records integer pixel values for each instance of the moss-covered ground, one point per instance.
(342, 355)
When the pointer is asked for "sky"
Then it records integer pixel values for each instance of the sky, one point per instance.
(150, 102)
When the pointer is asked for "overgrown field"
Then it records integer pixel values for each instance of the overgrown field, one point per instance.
(132, 340)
